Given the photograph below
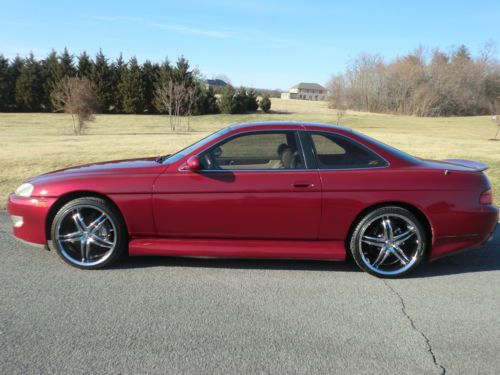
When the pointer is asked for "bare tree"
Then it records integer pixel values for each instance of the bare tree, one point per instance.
(337, 98)
(75, 96)
(177, 100)
(191, 95)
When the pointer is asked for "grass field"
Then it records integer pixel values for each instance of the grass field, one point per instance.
(31, 144)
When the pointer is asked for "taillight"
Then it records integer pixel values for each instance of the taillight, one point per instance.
(486, 197)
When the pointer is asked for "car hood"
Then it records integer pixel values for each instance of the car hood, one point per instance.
(143, 165)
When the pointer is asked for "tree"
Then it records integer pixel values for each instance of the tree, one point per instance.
(171, 95)
(66, 64)
(149, 77)
(252, 102)
(29, 86)
(75, 96)
(131, 89)
(102, 82)
(52, 74)
(227, 104)
(265, 104)
(206, 101)
(15, 69)
(4, 83)
(84, 68)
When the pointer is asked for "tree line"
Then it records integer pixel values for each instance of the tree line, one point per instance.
(119, 86)
(421, 83)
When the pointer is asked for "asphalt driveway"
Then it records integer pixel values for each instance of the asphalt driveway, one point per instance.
(171, 315)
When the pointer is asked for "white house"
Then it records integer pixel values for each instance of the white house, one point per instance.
(306, 91)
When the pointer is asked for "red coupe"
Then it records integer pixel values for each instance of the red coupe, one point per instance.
(269, 190)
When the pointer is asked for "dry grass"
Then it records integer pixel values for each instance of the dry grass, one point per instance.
(31, 144)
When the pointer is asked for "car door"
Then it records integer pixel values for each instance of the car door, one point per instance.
(253, 185)
(351, 175)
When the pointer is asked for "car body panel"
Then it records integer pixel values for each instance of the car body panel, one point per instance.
(165, 203)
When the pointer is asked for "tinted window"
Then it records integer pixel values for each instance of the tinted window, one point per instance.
(337, 152)
(266, 150)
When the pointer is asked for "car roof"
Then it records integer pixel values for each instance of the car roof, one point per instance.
(285, 124)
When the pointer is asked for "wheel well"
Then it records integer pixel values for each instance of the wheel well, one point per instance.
(414, 210)
(67, 198)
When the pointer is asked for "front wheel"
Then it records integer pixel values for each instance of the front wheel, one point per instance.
(388, 242)
(88, 233)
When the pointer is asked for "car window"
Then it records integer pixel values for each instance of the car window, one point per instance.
(255, 151)
(337, 152)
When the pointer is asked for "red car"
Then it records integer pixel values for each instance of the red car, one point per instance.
(270, 190)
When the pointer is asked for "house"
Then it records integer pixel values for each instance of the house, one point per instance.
(306, 91)
(215, 83)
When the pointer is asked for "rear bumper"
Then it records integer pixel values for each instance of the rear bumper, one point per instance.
(29, 217)
(481, 225)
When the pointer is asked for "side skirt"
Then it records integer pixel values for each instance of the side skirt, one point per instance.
(332, 250)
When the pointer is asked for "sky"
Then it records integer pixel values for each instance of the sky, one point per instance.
(259, 43)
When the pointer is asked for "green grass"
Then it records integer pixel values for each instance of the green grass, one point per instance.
(31, 144)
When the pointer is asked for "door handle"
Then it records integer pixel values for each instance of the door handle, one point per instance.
(303, 185)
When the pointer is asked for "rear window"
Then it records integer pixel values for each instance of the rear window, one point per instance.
(337, 152)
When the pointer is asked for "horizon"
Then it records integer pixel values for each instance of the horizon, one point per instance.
(254, 44)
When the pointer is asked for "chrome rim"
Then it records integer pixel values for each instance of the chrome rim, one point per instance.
(86, 236)
(390, 244)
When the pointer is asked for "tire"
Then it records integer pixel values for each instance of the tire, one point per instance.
(388, 242)
(88, 233)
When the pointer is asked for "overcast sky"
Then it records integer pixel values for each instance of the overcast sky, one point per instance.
(267, 44)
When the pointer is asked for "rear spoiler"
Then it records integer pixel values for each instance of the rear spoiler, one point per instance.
(475, 165)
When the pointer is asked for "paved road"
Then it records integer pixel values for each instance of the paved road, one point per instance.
(161, 315)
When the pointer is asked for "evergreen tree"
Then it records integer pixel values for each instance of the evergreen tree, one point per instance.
(240, 101)
(15, 69)
(52, 74)
(4, 83)
(227, 103)
(102, 82)
(118, 72)
(149, 77)
(29, 86)
(131, 88)
(164, 77)
(84, 68)
(265, 104)
(66, 64)
(205, 102)
(252, 103)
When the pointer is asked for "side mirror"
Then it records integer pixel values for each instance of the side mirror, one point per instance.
(193, 163)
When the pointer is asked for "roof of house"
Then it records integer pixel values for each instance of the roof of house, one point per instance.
(216, 82)
(306, 85)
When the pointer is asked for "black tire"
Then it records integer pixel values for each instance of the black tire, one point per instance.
(382, 254)
(112, 225)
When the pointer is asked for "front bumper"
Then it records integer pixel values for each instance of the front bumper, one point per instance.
(29, 217)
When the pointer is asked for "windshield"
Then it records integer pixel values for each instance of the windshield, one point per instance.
(186, 151)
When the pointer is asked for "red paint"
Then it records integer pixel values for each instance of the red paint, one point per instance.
(175, 209)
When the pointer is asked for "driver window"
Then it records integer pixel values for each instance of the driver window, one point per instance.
(255, 151)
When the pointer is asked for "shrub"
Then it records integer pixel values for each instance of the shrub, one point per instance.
(265, 104)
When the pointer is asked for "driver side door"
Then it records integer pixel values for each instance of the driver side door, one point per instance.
(254, 185)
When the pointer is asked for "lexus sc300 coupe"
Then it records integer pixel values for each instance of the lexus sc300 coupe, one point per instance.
(267, 190)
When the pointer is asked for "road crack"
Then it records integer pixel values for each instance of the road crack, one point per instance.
(414, 327)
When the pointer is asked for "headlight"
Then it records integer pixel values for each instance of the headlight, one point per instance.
(25, 190)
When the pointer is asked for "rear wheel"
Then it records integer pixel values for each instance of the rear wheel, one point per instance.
(388, 242)
(88, 233)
